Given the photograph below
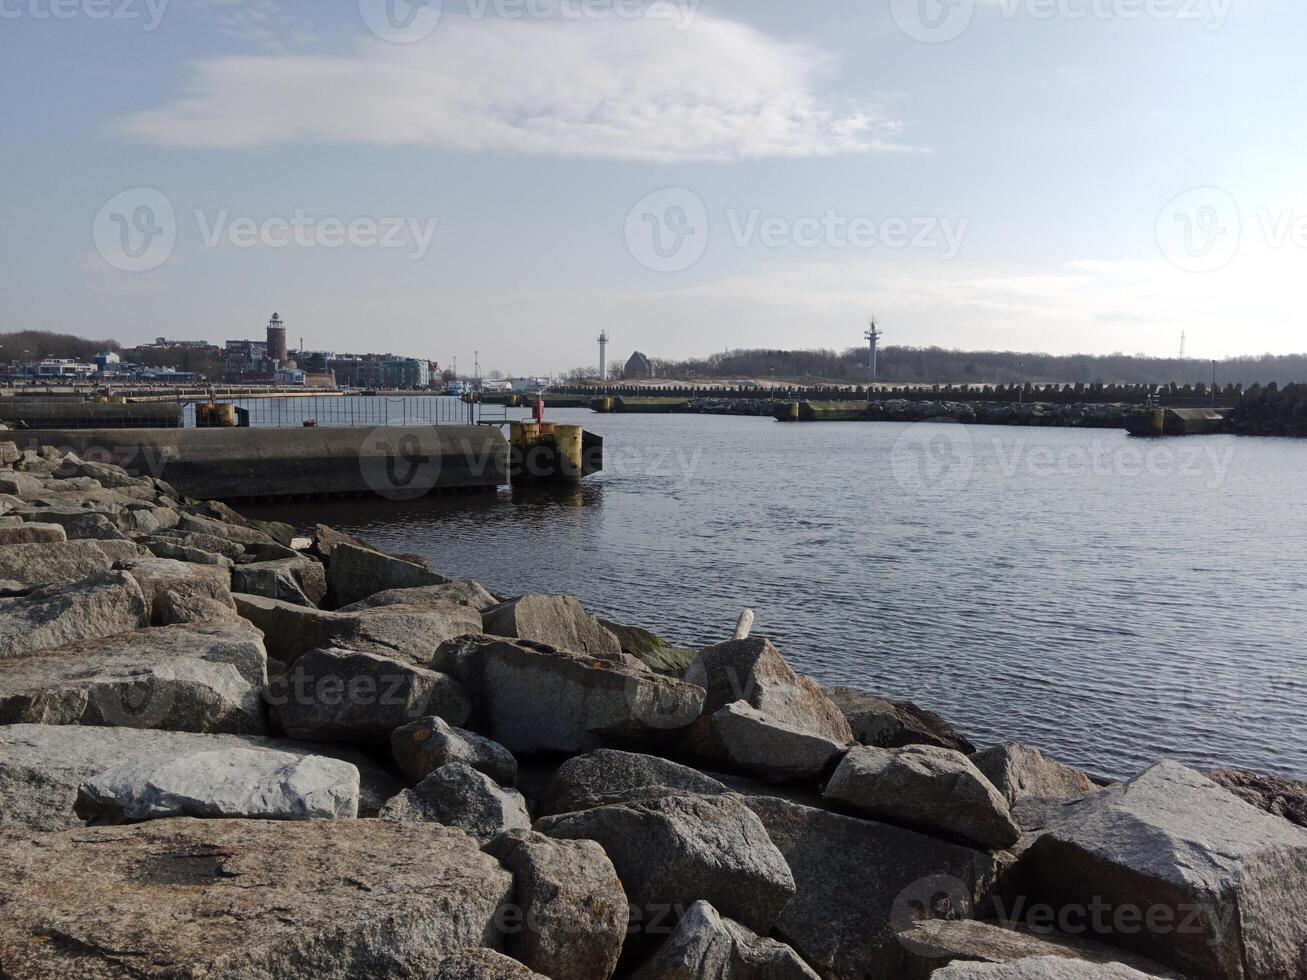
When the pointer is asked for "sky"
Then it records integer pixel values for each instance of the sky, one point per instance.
(503, 179)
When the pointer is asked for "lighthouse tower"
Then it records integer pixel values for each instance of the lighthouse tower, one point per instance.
(603, 356)
(277, 340)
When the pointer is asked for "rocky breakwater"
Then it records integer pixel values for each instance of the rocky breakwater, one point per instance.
(1079, 415)
(229, 752)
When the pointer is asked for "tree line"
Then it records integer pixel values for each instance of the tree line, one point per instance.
(938, 365)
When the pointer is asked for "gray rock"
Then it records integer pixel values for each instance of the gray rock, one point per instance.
(24, 533)
(458, 796)
(1221, 875)
(20, 484)
(651, 649)
(607, 776)
(472, 594)
(101, 604)
(93, 527)
(407, 633)
(483, 964)
(753, 670)
(756, 743)
(1284, 797)
(117, 551)
(257, 784)
(941, 941)
(1040, 968)
(924, 786)
(347, 696)
(196, 524)
(355, 573)
(162, 547)
(300, 581)
(239, 899)
(211, 543)
(193, 678)
(534, 698)
(326, 538)
(672, 851)
(706, 945)
(42, 766)
(105, 474)
(422, 747)
(1018, 772)
(570, 910)
(51, 563)
(169, 586)
(859, 882)
(893, 724)
(556, 620)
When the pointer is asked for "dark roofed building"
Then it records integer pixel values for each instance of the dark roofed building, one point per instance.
(637, 366)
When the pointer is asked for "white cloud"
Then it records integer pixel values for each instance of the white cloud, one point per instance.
(622, 89)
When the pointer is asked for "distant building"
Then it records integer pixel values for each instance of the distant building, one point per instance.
(64, 367)
(637, 366)
(380, 371)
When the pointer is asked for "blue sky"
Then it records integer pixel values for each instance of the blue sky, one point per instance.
(513, 176)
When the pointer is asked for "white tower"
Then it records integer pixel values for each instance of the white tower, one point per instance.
(872, 336)
(603, 355)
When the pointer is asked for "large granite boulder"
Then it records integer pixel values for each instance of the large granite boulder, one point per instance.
(858, 882)
(1284, 797)
(423, 746)
(1020, 772)
(672, 851)
(237, 899)
(347, 696)
(20, 532)
(1217, 878)
(407, 633)
(757, 743)
(704, 945)
(570, 912)
(893, 724)
(239, 533)
(194, 678)
(42, 767)
(555, 620)
(176, 590)
(52, 562)
(651, 649)
(469, 593)
(937, 790)
(534, 698)
(1039, 968)
(354, 573)
(258, 784)
(484, 964)
(168, 547)
(607, 776)
(101, 604)
(457, 795)
(297, 580)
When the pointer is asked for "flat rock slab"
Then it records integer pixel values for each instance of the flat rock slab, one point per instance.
(1223, 877)
(195, 678)
(22, 533)
(51, 562)
(257, 784)
(297, 580)
(484, 964)
(407, 633)
(467, 593)
(42, 767)
(1039, 968)
(101, 604)
(607, 776)
(754, 742)
(236, 899)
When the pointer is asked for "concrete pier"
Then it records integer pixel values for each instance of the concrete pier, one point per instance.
(399, 463)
